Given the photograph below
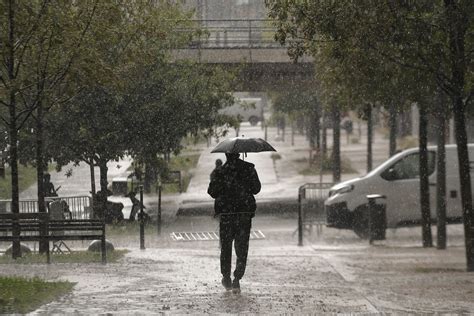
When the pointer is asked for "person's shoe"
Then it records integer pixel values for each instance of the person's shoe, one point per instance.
(236, 286)
(227, 283)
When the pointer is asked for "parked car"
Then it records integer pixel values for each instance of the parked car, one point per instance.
(398, 180)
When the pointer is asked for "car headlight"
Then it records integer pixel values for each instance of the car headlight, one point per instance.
(345, 189)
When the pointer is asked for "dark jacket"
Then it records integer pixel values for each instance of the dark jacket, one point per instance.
(233, 186)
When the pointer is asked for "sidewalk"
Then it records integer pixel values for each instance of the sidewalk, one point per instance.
(335, 273)
(280, 178)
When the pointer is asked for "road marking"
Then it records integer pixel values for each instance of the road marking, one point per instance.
(207, 236)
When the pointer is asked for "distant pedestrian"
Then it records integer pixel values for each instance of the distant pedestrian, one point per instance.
(48, 186)
(234, 185)
(218, 200)
(135, 206)
(218, 165)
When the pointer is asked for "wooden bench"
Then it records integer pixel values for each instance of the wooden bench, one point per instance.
(39, 227)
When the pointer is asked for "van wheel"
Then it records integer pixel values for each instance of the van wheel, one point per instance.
(253, 120)
(360, 223)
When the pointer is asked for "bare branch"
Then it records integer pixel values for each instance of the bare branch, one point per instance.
(4, 103)
(28, 36)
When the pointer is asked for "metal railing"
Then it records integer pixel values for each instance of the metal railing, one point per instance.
(311, 212)
(228, 34)
(80, 206)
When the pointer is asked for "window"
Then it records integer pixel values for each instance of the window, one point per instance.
(409, 167)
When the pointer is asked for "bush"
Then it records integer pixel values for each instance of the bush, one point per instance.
(327, 164)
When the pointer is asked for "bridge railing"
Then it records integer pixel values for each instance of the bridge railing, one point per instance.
(215, 34)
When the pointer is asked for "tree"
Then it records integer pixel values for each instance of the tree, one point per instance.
(174, 101)
(55, 44)
(37, 57)
(429, 37)
(137, 102)
(300, 102)
(17, 27)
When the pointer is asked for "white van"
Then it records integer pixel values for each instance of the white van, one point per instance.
(397, 179)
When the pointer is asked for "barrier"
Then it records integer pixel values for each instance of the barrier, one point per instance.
(80, 206)
(311, 213)
(377, 218)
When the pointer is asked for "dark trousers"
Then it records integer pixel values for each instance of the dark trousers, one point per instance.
(234, 229)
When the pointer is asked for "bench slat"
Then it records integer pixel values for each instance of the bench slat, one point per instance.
(59, 228)
(24, 216)
(75, 237)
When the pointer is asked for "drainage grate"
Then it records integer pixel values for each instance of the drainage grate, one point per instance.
(205, 236)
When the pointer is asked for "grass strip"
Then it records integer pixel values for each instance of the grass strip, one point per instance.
(21, 295)
(73, 257)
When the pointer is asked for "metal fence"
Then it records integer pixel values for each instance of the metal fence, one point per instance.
(80, 206)
(311, 213)
(234, 33)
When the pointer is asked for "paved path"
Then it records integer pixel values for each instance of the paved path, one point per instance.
(280, 178)
(334, 273)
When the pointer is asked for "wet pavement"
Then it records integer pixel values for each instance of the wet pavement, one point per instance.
(334, 272)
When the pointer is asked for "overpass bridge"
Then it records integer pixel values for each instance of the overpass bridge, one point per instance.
(247, 46)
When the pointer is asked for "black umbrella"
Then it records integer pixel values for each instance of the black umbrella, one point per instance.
(242, 145)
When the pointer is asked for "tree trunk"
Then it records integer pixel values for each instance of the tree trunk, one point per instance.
(313, 130)
(368, 114)
(100, 198)
(92, 171)
(40, 167)
(13, 132)
(458, 24)
(336, 146)
(424, 184)
(441, 182)
(393, 130)
(149, 177)
(103, 175)
(317, 126)
(324, 136)
(465, 179)
(292, 132)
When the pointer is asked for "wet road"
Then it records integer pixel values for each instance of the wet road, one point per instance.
(333, 273)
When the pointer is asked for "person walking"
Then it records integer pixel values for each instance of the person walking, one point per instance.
(48, 186)
(218, 200)
(234, 185)
(216, 169)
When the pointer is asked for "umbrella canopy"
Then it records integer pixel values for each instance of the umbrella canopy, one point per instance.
(242, 145)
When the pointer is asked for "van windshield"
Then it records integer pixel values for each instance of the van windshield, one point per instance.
(404, 166)
(384, 165)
